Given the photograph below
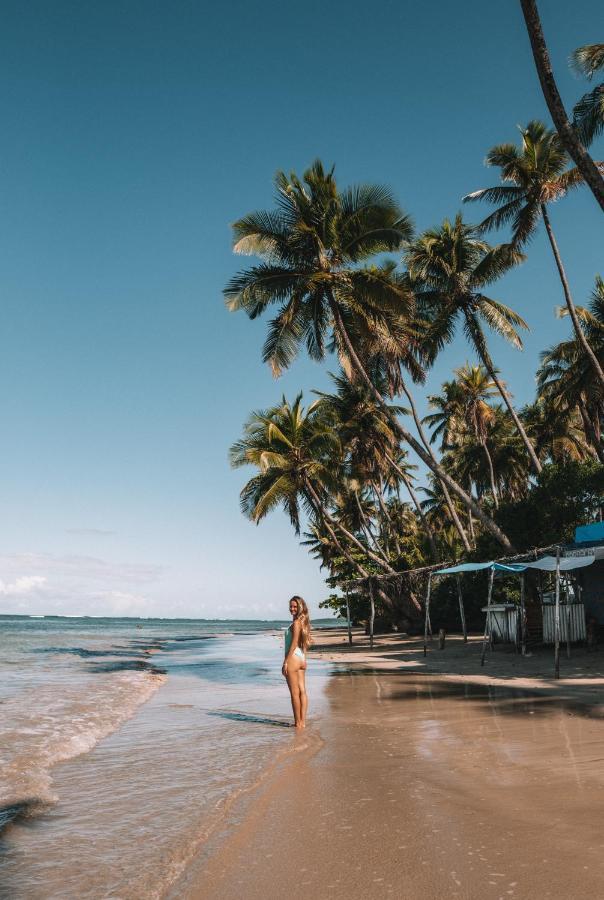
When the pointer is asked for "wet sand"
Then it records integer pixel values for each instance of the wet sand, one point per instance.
(429, 779)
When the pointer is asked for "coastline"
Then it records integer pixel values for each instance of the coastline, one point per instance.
(428, 778)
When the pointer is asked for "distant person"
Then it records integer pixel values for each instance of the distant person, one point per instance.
(297, 642)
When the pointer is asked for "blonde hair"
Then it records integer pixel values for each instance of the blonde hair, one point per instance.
(303, 617)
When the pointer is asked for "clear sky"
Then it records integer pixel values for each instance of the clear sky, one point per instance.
(133, 133)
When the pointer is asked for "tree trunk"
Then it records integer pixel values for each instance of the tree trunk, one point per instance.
(417, 504)
(406, 436)
(491, 474)
(368, 532)
(452, 511)
(590, 432)
(568, 134)
(488, 364)
(351, 537)
(318, 508)
(569, 300)
(471, 520)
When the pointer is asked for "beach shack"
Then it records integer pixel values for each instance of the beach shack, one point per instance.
(589, 541)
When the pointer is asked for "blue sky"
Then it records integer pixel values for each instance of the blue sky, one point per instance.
(133, 134)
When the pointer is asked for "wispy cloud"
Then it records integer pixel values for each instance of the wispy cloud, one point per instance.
(90, 568)
(23, 585)
(35, 583)
(91, 532)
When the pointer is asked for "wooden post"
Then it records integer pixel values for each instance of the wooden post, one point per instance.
(372, 613)
(557, 618)
(487, 625)
(427, 614)
(348, 619)
(567, 598)
(522, 616)
(462, 612)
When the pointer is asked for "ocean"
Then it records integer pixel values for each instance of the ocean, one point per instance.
(124, 741)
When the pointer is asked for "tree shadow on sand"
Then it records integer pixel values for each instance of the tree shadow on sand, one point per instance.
(500, 699)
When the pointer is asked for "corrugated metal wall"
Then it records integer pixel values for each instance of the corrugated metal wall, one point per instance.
(574, 614)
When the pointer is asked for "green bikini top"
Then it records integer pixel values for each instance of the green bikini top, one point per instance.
(288, 639)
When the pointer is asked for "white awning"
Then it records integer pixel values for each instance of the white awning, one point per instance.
(548, 563)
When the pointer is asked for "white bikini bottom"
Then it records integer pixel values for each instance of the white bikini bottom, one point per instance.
(299, 654)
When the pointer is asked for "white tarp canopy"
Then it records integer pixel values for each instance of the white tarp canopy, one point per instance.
(548, 564)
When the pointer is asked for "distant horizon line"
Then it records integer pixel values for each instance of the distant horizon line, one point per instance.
(149, 618)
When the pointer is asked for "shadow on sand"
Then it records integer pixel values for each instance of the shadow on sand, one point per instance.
(250, 717)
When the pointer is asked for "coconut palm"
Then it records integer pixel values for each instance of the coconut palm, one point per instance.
(507, 464)
(566, 380)
(314, 247)
(569, 136)
(559, 433)
(477, 390)
(365, 430)
(589, 110)
(292, 448)
(452, 267)
(535, 175)
(465, 408)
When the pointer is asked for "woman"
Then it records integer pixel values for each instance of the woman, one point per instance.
(297, 642)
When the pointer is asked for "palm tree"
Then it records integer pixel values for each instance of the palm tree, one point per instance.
(365, 430)
(313, 249)
(507, 464)
(568, 135)
(537, 175)
(467, 402)
(558, 432)
(291, 448)
(452, 266)
(566, 380)
(589, 110)
(477, 389)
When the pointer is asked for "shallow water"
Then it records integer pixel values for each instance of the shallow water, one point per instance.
(426, 788)
(122, 747)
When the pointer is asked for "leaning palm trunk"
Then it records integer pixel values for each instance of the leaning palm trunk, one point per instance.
(418, 507)
(569, 300)
(488, 364)
(449, 503)
(491, 474)
(329, 520)
(406, 436)
(568, 134)
(368, 532)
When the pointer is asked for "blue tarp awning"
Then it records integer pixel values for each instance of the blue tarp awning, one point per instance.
(465, 567)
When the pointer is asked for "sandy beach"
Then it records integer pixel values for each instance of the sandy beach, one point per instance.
(427, 778)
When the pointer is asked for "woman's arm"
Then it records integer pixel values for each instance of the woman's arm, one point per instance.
(295, 637)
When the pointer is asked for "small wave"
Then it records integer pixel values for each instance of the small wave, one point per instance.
(53, 723)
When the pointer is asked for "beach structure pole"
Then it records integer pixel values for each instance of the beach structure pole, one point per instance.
(557, 618)
(371, 612)
(522, 615)
(567, 598)
(487, 625)
(348, 619)
(427, 615)
(462, 612)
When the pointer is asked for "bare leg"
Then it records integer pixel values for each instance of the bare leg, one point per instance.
(292, 683)
(303, 695)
